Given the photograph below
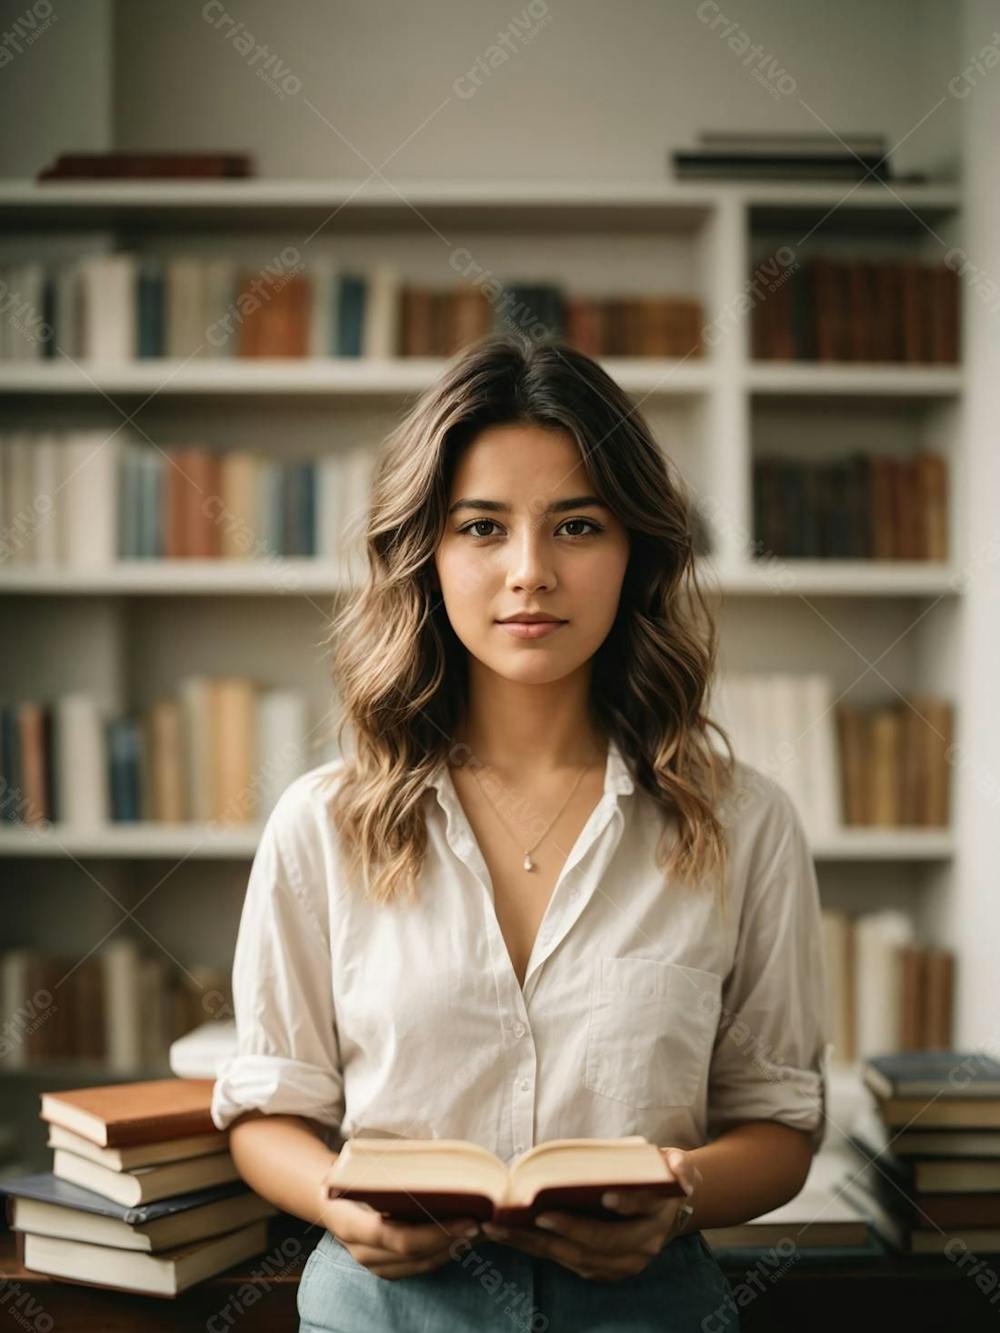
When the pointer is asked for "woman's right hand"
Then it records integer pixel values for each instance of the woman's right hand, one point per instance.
(394, 1249)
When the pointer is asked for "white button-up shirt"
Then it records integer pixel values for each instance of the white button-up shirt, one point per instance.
(649, 1006)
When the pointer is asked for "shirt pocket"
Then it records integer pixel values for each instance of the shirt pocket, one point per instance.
(651, 1030)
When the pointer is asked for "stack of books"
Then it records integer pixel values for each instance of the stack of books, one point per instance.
(930, 1182)
(143, 1194)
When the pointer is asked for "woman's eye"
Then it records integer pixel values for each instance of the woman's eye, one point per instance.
(489, 522)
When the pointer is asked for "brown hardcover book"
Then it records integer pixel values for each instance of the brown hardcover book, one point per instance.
(201, 486)
(912, 767)
(125, 1113)
(167, 761)
(234, 799)
(851, 733)
(932, 490)
(450, 1178)
(910, 960)
(913, 311)
(889, 334)
(938, 732)
(122, 166)
(945, 322)
(31, 735)
(472, 316)
(583, 325)
(881, 507)
(87, 1002)
(827, 316)
(862, 311)
(884, 733)
(939, 985)
(957, 1210)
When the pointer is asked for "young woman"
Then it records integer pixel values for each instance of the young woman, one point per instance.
(534, 901)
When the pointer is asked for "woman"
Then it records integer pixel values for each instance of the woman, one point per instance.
(535, 902)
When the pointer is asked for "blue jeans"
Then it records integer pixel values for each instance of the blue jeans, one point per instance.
(489, 1287)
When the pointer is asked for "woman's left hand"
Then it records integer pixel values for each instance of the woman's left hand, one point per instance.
(607, 1250)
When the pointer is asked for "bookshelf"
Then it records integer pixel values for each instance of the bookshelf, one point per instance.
(129, 630)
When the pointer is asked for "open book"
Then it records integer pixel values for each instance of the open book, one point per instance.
(424, 1180)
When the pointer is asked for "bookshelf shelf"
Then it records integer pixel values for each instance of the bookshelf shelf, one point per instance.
(786, 577)
(344, 376)
(149, 841)
(132, 631)
(889, 381)
(340, 205)
(288, 576)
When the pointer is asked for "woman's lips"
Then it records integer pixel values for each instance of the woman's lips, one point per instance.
(523, 629)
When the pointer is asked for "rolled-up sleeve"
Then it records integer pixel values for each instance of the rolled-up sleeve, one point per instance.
(772, 1048)
(287, 1059)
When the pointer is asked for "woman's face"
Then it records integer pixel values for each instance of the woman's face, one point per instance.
(512, 543)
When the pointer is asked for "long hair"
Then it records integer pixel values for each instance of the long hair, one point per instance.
(401, 672)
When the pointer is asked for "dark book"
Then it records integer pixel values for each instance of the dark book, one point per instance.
(43, 1203)
(930, 1073)
(125, 166)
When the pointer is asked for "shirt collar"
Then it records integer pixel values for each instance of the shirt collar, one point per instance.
(617, 777)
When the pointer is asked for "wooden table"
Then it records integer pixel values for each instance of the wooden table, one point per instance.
(891, 1292)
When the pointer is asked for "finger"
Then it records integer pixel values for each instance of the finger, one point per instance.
(581, 1259)
(608, 1237)
(683, 1168)
(547, 1246)
(632, 1201)
(356, 1224)
(383, 1263)
(418, 1240)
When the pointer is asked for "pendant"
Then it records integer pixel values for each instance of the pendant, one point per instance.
(528, 863)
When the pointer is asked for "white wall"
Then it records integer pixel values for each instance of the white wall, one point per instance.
(55, 81)
(974, 901)
(602, 89)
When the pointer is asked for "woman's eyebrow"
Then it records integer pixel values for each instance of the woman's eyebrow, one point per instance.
(557, 507)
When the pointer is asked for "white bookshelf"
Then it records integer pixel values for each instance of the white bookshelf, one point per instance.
(129, 631)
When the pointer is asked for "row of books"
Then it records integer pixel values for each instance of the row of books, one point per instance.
(887, 992)
(127, 306)
(885, 766)
(143, 1194)
(928, 1151)
(221, 752)
(81, 499)
(823, 309)
(866, 506)
(121, 1006)
(895, 762)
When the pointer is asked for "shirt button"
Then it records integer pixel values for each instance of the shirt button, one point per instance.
(525, 1084)
(518, 1029)
(573, 891)
(518, 1149)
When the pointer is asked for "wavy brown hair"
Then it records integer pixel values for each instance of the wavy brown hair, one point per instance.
(401, 671)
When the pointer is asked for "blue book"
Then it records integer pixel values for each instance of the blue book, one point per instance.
(128, 502)
(76, 1213)
(150, 505)
(307, 516)
(351, 314)
(149, 295)
(933, 1074)
(124, 740)
(10, 760)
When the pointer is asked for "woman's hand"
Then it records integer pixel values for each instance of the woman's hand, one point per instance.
(609, 1251)
(392, 1249)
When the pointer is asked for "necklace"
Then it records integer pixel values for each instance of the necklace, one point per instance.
(528, 863)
